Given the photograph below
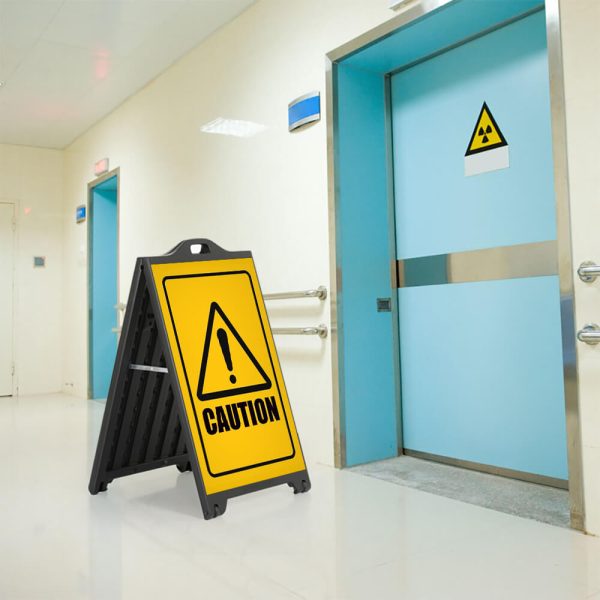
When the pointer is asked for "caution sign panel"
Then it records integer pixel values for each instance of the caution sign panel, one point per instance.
(224, 373)
(487, 149)
(225, 358)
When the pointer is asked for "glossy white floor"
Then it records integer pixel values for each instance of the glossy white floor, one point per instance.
(350, 537)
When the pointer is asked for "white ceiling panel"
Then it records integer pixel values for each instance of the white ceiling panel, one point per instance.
(65, 64)
(116, 28)
(46, 74)
(21, 25)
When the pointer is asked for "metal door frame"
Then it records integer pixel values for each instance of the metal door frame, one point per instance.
(565, 258)
(14, 383)
(90, 214)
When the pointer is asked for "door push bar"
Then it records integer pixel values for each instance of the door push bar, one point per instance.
(590, 334)
(588, 271)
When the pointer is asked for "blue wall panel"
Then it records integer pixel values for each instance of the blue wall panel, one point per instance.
(364, 248)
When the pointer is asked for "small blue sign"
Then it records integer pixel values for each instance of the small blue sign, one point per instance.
(303, 110)
(80, 213)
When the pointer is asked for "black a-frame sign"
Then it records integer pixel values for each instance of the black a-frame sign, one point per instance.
(160, 411)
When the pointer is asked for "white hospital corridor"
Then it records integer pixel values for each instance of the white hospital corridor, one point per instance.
(300, 299)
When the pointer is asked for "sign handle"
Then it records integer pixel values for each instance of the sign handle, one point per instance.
(197, 249)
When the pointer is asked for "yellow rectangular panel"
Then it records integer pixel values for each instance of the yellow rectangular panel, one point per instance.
(228, 372)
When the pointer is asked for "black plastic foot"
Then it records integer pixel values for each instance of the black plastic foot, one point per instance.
(300, 486)
(216, 510)
(100, 487)
(182, 468)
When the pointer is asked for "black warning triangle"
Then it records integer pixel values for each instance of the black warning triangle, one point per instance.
(227, 385)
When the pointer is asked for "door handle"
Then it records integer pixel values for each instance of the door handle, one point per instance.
(590, 334)
(588, 271)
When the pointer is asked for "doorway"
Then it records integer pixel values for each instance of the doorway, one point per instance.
(477, 258)
(103, 242)
(442, 271)
(7, 269)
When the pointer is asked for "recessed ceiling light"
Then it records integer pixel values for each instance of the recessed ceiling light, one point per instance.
(233, 127)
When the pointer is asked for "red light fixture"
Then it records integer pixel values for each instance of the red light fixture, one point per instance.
(101, 167)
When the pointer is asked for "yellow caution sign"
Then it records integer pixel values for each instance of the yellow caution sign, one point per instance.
(486, 138)
(224, 372)
(227, 366)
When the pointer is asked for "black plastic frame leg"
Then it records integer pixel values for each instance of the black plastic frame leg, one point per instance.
(102, 486)
(216, 511)
(300, 486)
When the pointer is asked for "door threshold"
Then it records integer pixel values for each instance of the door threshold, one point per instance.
(511, 496)
(562, 484)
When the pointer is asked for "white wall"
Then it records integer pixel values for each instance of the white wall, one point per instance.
(581, 54)
(32, 179)
(267, 194)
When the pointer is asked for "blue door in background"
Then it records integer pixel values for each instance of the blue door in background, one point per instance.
(103, 234)
(480, 353)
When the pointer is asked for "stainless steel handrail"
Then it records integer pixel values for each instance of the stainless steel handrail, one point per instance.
(590, 334)
(588, 271)
(320, 293)
(320, 330)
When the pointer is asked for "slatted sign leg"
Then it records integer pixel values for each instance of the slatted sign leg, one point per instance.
(142, 427)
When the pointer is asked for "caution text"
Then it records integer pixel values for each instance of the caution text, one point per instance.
(240, 414)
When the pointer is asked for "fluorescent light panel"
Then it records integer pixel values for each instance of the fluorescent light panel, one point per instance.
(233, 127)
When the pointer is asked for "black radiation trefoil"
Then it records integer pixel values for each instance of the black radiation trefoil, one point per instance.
(223, 341)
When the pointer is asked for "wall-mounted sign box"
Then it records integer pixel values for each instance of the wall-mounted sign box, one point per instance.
(304, 110)
(80, 214)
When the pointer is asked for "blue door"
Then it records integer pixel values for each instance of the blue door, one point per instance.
(479, 314)
(102, 286)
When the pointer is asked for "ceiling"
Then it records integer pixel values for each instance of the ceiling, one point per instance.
(65, 64)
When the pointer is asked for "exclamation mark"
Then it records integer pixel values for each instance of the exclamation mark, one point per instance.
(224, 343)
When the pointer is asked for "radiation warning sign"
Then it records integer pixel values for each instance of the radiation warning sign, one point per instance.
(228, 371)
(487, 149)
(198, 383)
